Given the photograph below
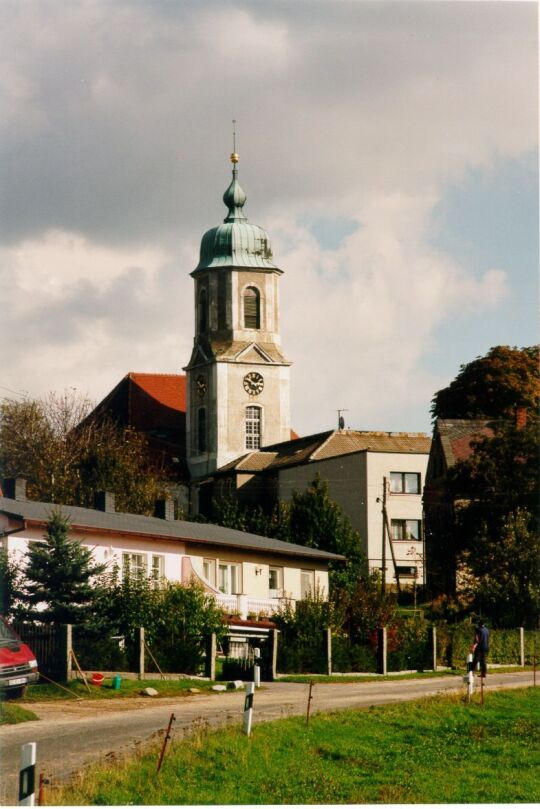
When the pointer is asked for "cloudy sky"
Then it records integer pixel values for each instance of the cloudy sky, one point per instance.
(389, 148)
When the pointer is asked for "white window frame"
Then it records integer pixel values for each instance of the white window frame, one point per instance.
(211, 564)
(305, 591)
(158, 569)
(275, 592)
(253, 439)
(227, 586)
(127, 557)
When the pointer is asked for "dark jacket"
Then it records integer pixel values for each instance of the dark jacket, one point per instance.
(482, 639)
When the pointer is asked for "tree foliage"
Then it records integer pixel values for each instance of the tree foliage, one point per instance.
(493, 386)
(496, 495)
(66, 457)
(177, 618)
(58, 582)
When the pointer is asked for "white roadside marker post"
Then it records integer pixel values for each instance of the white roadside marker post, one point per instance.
(27, 775)
(470, 676)
(248, 708)
(257, 667)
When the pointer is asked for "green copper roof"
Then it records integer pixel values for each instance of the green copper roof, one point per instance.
(236, 243)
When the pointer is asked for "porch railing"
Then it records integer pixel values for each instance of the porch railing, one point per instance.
(245, 605)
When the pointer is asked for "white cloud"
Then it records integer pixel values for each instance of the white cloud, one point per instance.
(116, 130)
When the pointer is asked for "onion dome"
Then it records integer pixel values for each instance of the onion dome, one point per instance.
(235, 243)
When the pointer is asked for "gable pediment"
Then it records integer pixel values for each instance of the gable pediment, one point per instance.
(253, 353)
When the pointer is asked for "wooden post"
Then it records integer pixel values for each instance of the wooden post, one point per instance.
(66, 649)
(328, 640)
(141, 652)
(210, 662)
(522, 646)
(382, 650)
(434, 646)
(310, 697)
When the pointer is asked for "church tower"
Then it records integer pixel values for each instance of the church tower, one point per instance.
(237, 377)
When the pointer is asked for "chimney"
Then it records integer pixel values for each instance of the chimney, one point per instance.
(521, 418)
(14, 488)
(104, 501)
(164, 509)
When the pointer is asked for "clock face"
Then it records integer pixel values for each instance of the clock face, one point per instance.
(253, 383)
(200, 384)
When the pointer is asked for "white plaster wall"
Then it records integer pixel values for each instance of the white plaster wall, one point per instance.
(398, 506)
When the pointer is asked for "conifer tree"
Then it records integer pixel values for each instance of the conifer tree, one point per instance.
(58, 577)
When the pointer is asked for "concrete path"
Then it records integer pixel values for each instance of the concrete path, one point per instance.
(72, 734)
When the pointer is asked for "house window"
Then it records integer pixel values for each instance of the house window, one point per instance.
(275, 580)
(157, 569)
(406, 529)
(405, 483)
(229, 578)
(203, 311)
(307, 583)
(252, 308)
(253, 427)
(406, 572)
(209, 571)
(134, 564)
(201, 429)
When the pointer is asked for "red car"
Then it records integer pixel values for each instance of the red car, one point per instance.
(18, 666)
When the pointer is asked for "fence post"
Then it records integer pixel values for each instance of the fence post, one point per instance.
(522, 646)
(273, 653)
(66, 647)
(141, 652)
(434, 646)
(210, 661)
(382, 650)
(328, 641)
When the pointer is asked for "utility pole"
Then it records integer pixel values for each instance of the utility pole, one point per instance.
(386, 532)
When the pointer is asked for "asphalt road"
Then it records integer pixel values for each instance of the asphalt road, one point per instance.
(72, 734)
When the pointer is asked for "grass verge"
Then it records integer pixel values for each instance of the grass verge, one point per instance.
(438, 750)
(47, 692)
(11, 714)
(366, 678)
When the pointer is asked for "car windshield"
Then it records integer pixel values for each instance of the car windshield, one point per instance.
(7, 636)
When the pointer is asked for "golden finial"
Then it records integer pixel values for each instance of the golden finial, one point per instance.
(234, 156)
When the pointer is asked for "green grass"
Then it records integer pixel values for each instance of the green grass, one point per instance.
(13, 714)
(439, 750)
(47, 692)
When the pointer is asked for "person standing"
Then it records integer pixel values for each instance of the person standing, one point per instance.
(480, 648)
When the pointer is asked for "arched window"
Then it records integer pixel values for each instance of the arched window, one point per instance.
(203, 311)
(253, 427)
(252, 308)
(201, 430)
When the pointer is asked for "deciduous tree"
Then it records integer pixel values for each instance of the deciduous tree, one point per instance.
(66, 457)
(493, 386)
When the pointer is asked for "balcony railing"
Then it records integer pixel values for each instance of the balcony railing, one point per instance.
(244, 605)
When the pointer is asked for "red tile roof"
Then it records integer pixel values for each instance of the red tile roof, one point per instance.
(167, 389)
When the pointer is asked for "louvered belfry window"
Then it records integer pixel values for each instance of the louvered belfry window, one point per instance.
(201, 429)
(252, 308)
(203, 311)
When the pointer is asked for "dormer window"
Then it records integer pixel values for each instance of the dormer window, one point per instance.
(252, 308)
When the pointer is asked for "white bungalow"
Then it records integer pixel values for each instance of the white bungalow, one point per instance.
(246, 573)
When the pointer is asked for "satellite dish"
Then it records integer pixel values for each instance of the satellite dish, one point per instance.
(341, 423)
